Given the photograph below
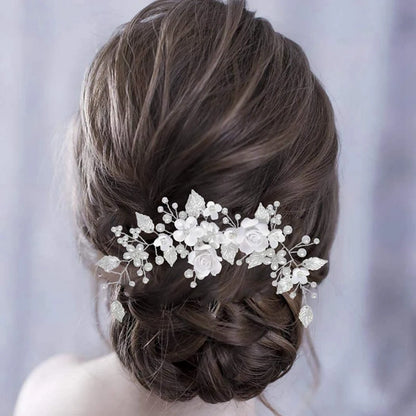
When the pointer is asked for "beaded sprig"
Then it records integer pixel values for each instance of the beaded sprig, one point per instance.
(260, 240)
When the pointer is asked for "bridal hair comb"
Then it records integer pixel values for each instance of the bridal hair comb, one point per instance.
(261, 240)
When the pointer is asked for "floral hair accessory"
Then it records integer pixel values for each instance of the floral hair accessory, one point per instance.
(261, 240)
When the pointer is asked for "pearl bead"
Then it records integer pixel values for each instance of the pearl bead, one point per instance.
(159, 260)
(287, 229)
(224, 211)
(139, 272)
(237, 216)
(273, 274)
(306, 239)
(276, 204)
(314, 295)
(193, 285)
(165, 200)
(292, 295)
(148, 267)
(316, 240)
(238, 262)
(301, 252)
(160, 208)
(160, 227)
(132, 283)
(167, 218)
(314, 284)
(225, 220)
(145, 280)
(174, 205)
(274, 283)
(189, 273)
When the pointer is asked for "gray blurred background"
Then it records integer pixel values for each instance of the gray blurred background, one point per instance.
(364, 332)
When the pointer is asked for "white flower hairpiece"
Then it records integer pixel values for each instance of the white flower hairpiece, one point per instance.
(260, 239)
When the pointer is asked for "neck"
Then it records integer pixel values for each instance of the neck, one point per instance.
(148, 403)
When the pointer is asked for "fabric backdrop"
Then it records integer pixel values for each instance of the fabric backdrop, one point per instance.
(364, 332)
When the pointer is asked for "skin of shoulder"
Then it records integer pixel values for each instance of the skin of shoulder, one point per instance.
(54, 387)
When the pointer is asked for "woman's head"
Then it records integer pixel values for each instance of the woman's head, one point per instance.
(196, 94)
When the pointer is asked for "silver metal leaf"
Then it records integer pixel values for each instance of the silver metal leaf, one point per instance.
(145, 223)
(170, 255)
(305, 315)
(314, 263)
(195, 204)
(228, 252)
(262, 214)
(117, 310)
(254, 259)
(108, 263)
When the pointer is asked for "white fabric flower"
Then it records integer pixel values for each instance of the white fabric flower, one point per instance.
(212, 210)
(188, 230)
(212, 235)
(300, 275)
(275, 237)
(252, 235)
(230, 235)
(205, 260)
(137, 254)
(278, 259)
(163, 241)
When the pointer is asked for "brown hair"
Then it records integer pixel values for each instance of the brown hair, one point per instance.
(197, 94)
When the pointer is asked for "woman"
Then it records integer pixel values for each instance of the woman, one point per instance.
(196, 100)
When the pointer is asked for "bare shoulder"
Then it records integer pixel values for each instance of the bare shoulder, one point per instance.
(55, 387)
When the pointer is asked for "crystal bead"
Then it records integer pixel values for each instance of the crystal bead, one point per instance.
(238, 262)
(160, 208)
(314, 295)
(139, 272)
(316, 240)
(225, 220)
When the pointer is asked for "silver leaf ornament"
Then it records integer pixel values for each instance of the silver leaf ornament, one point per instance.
(108, 263)
(228, 252)
(145, 223)
(305, 315)
(262, 214)
(170, 255)
(314, 263)
(254, 259)
(195, 204)
(117, 310)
